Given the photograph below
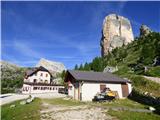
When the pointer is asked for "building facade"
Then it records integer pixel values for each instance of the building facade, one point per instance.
(39, 80)
(84, 85)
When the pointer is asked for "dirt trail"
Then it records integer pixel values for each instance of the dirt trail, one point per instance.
(82, 112)
(155, 79)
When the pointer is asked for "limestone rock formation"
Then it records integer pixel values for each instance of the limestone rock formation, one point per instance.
(144, 30)
(53, 67)
(10, 71)
(117, 31)
(110, 69)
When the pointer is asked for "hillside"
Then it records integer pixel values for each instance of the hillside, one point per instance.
(141, 57)
(11, 77)
(134, 61)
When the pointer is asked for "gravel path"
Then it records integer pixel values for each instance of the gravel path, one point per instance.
(8, 98)
(82, 112)
(155, 79)
(11, 97)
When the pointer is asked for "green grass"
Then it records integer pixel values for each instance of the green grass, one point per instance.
(115, 103)
(126, 115)
(142, 84)
(21, 112)
(154, 71)
(124, 103)
(61, 101)
(32, 111)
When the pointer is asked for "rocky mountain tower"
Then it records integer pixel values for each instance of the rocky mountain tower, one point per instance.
(116, 31)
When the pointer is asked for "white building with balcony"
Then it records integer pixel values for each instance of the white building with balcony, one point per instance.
(39, 80)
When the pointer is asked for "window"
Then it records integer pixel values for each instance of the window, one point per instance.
(70, 87)
(35, 88)
(46, 81)
(27, 88)
(45, 88)
(35, 80)
(41, 74)
(53, 88)
(46, 75)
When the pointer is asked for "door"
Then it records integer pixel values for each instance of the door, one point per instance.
(125, 91)
(102, 87)
(76, 91)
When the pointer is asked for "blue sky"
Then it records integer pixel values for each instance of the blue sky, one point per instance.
(68, 32)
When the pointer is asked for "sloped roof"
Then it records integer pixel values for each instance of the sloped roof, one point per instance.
(35, 69)
(96, 76)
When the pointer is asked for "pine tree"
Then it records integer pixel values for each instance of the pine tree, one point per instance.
(81, 67)
(76, 67)
(86, 66)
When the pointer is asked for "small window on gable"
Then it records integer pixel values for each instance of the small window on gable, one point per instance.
(46, 81)
(46, 75)
(35, 80)
(41, 74)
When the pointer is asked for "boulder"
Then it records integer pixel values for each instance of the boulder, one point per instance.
(23, 102)
(152, 109)
(12, 106)
(146, 93)
(29, 100)
(110, 69)
(32, 98)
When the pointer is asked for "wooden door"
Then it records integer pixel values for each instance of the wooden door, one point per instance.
(125, 91)
(102, 87)
(76, 91)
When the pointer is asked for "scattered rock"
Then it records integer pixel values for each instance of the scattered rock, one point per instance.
(144, 30)
(75, 113)
(66, 98)
(146, 93)
(29, 100)
(145, 69)
(110, 69)
(32, 98)
(152, 108)
(12, 106)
